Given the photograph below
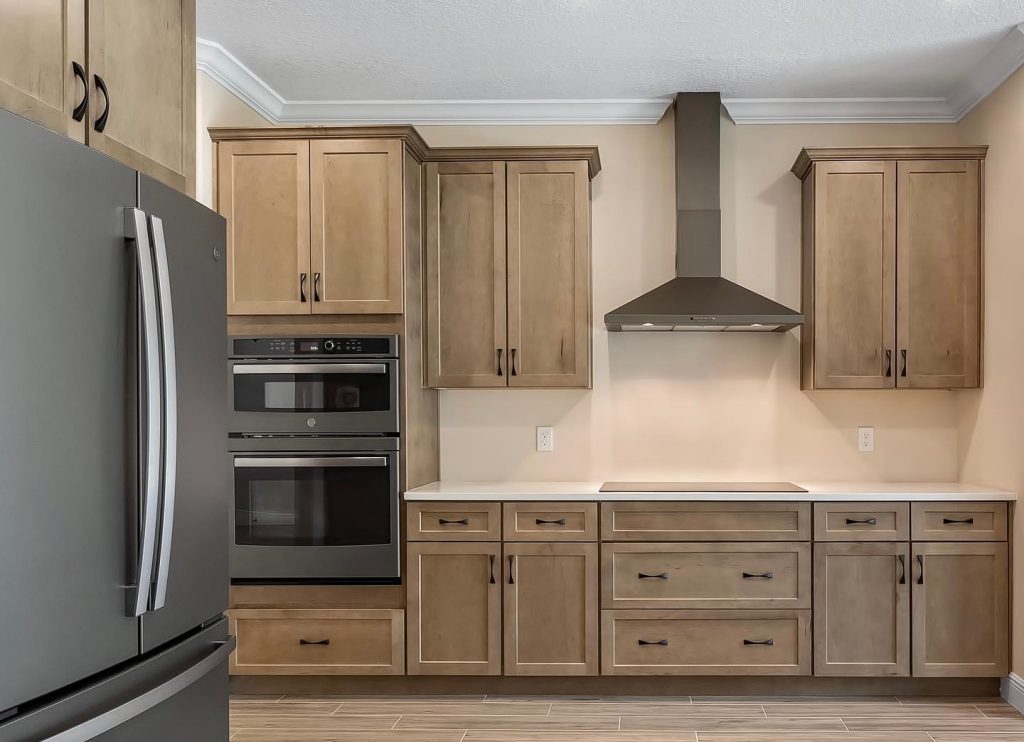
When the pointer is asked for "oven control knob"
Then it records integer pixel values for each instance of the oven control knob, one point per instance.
(329, 345)
(311, 422)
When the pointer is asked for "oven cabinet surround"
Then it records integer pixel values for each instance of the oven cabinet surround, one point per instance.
(117, 75)
(508, 274)
(892, 250)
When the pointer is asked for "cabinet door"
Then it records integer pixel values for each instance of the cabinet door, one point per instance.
(548, 274)
(39, 41)
(454, 608)
(551, 611)
(862, 609)
(356, 199)
(938, 265)
(145, 53)
(465, 276)
(960, 609)
(854, 275)
(263, 192)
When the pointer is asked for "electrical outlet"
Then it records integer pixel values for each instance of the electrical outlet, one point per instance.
(545, 438)
(865, 440)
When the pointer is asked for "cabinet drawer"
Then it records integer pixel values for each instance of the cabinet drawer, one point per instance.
(705, 521)
(706, 575)
(453, 521)
(862, 521)
(705, 642)
(318, 642)
(550, 521)
(958, 521)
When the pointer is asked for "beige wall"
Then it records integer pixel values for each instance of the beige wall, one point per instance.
(991, 445)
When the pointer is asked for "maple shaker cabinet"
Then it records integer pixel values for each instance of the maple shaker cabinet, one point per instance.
(892, 267)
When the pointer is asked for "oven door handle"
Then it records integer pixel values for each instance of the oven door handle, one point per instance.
(308, 462)
(309, 368)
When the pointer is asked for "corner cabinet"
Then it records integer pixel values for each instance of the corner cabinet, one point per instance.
(508, 274)
(118, 75)
(892, 267)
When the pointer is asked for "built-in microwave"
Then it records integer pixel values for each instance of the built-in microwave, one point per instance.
(314, 385)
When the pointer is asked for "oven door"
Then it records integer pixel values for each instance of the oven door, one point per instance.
(324, 397)
(324, 516)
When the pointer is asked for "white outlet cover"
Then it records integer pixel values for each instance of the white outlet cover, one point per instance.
(545, 438)
(865, 439)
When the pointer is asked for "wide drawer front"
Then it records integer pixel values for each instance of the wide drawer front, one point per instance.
(705, 521)
(735, 575)
(705, 642)
(550, 521)
(318, 642)
(958, 521)
(453, 521)
(862, 521)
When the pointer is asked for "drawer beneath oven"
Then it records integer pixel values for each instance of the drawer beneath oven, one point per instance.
(453, 521)
(318, 642)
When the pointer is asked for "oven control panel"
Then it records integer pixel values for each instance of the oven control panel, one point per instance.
(358, 346)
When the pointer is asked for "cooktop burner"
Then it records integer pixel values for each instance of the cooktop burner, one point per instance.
(700, 487)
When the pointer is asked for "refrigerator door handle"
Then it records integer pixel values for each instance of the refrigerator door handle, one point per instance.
(151, 424)
(170, 411)
(139, 705)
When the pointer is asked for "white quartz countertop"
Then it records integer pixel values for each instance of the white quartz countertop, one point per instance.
(816, 492)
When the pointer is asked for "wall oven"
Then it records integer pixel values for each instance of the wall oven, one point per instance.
(315, 458)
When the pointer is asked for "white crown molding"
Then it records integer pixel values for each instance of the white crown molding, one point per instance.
(1004, 59)
(1012, 690)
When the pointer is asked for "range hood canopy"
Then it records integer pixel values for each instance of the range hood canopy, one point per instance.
(699, 298)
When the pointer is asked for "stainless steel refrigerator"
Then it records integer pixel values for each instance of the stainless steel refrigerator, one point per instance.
(113, 463)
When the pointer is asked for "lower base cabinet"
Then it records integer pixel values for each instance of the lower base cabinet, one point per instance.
(862, 609)
(711, 642)
(550, 607)
(318, 642)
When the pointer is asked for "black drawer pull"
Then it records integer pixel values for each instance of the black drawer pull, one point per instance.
(660, 643)
(761, 576)
(542, 522)
(512, 569)
(964, 521)
(662, 576)
(101, 123)
(920, 564)
(446, 522)
(903, 571)
(323, 642)
(864, 522)
(490, 558)
(79, 112)
(765, 642)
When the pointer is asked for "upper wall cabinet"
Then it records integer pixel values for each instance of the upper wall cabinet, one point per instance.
(118, 75)
(892, 267)
(508, 274)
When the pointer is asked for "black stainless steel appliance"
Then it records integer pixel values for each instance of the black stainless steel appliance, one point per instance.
(315, 455)
(323, 385)
(113, 478)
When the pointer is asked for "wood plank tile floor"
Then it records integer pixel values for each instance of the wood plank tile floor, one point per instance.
(617, 719)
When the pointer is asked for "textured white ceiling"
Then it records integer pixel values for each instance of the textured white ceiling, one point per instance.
(598, 49)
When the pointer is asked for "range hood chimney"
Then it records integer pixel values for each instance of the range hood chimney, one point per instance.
(699, 299)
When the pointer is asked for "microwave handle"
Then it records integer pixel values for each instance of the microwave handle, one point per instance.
(309, 462)
(309, 368)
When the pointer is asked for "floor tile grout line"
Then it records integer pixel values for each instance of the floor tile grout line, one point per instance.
(464, 735)
(398, 720)
(843, 722)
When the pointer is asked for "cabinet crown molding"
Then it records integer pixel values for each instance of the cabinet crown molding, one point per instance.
(415, 144)
(809, 155)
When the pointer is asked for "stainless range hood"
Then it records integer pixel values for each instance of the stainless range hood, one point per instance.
(699, 299)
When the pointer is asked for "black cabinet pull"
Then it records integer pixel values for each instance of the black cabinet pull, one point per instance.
(500, 372)
(903, 355)
(512, 362)
(323, 642)
(761, 576)
(764, 642)
(660, 643)
(965, 521)
(490, 558)
(864, 522)
(79, 113)
(542, 522)
(101, 122)
(302, 288)
(459, 522)
(661, 576)
(903, 571)
(511, 572)
(888, 362)
(920, 565)
(316, 287)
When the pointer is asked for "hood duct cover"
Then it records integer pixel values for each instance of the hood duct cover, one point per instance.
(699, 299)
